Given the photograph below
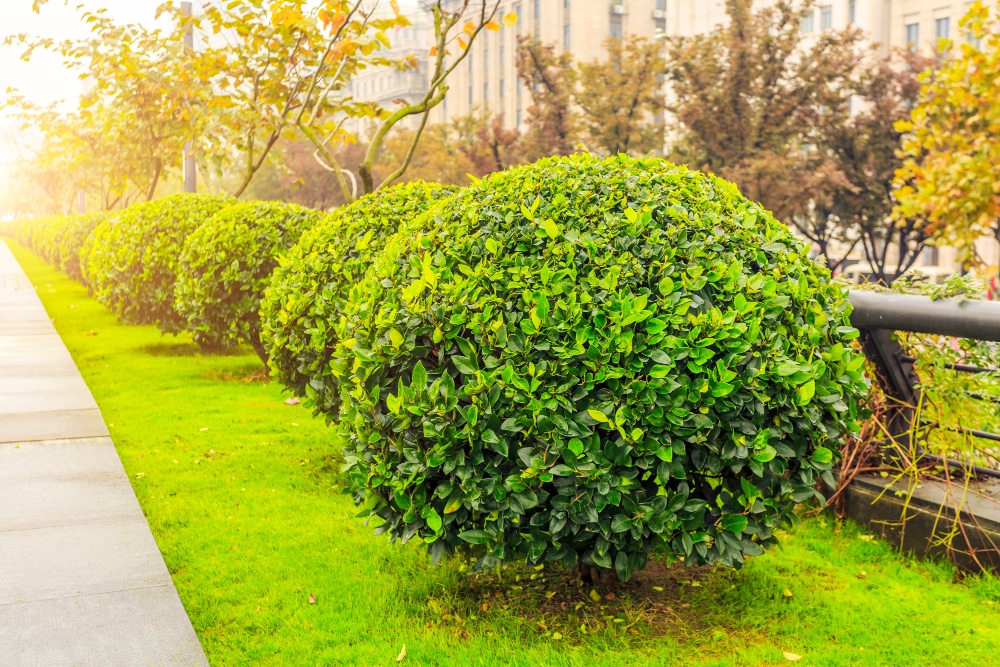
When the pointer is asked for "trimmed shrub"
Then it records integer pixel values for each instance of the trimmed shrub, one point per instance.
(307, 290)
(588, 360)
(69, 241)
(130, 260)
(224, 267)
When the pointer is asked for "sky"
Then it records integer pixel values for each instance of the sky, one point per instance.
(44, 80)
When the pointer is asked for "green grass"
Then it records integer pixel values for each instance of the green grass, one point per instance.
(242, 493)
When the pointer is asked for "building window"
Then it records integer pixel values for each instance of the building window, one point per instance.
(807, 22)
(502, 88)
(486, 91)
(912, 35)
(518, 118)
(931, 256)
(661, 5)
(566, 32)
(503, 52)
(852, 11)
(826, 17)
(517, 12)
(538, 16)
(616, 26)
(941, 28)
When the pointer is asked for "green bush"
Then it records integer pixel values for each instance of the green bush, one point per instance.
(224, 267)
(40, 235)
(70, 239)
(307, 290)
(587, 361)
(130, 260)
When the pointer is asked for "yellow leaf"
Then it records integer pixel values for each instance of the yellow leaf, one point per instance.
(461, 43)
(791, 657)
(434, 51)
(493, 26)
(469, 28)
(510, 20)
(402, 654)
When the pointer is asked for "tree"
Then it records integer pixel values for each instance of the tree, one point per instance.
(952, 142)
(749, 102)
(487, 144)
(281, 64)
(553, 126)
(863, 146)
(620, 96)
(325, 131)
(613, 105)
(143, 103)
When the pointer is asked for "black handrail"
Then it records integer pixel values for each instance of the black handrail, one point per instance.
(979, 320)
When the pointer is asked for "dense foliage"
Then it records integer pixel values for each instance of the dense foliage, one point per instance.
(130, 260)
(587, 360)
(225, 265)
(69, 240)
(308, 290)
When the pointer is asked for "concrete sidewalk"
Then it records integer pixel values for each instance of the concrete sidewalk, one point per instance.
(82, 581)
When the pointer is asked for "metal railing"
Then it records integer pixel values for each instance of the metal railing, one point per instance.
(877, 315)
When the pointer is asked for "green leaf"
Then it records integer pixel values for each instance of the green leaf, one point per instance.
(419, 380)
(576, 446)
(453, 505)
(655, 326)
(822, 456)
(551, 228)
(765, 454)
(464, 365)
(432, 518)
(806, 392)
(396, 337)
(659, 371)
(598, 416)
(734, 523)
(474, 536)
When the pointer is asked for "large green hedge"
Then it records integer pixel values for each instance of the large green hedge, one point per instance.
(307, 291)
(69, 240)
(587, 360)
(130, 260)
(225, 265)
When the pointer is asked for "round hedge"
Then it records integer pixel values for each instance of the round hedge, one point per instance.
(70, 239)
(587, 360)
(225, 265)
(307, 291)
(130, 259)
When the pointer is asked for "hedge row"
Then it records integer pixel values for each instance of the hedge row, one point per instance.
(581, 360)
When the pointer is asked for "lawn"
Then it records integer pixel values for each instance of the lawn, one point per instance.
(243, 494)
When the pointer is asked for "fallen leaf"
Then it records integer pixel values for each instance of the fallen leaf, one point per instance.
(595, 596)
(609, 597)
(140, 475)
(557, 636)
(788, 593)
(203, 430)
(292, 401)
(312, 598)
(658, 589)
(402, 654)
(791, 657)
(866, 538)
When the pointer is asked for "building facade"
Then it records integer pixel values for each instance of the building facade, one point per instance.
(487, 82)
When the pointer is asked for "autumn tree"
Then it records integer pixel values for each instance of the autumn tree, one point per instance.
(952, 141)
(750, 100)
(278, 66)
(621, 98)
(863, 143)
(144, 99)
(550, 77)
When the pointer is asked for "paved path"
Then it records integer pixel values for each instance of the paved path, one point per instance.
(81, 579)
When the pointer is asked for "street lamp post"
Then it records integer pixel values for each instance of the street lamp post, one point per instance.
(190, 166)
